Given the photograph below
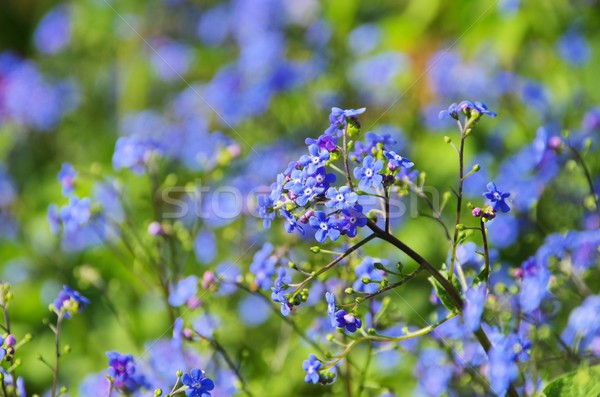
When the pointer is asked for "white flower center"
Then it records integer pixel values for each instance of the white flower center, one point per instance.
(340, 197)
(352, 220)
(497, 196)
(308, 191)
(368, 172)
(323, 226)
(316, 160)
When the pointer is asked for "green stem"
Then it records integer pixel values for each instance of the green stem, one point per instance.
(57, 354)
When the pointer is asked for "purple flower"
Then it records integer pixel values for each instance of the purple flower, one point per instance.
(326, 142)
(70, 302)
(346, 320)
(183, 291)
(340, 199)
(397, 161)
(338, 119)
(479, 108)
(323, 178)
(330, 298)
(352, 219)
(197, 384)
(327, 227)
(369, 173)
(278, 289)
(316, 158)
(311, 367)
(122, 372)
(497, 198)
(66, 177)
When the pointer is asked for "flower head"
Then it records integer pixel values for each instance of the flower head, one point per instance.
(369, 173)
(327, 227)
(66, 177)
(347, 320)
(340, 199)
(497, 198)
(397, 161)
(197, 384)
(69, 302)
(122, 372)
(330, 298)
(311, 367)
(338, 119)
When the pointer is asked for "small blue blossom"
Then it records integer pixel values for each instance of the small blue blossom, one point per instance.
(53, 33)
(183, 291)
(316, 158)
(278, 289)
(369, 173)
(277, 188)
(497, 198)
(263, 266)
(583, 327)
(474, 303)
(340, 199)
(66, 177)
(338, 119)
(327, 227)
(433, 372)
(197, 384)
(330, 298)
(573, 48)
(367, 270)
(351, 220)
(134, 153)
(76, 214)
(291, 223)
(308, 192)
(480, 108)
(295, 180)
(122, 371)
(452, 111)
(323, 178)
(265, 206)
(397, 161)
(311, 367)
(69, 302)
(346, 320)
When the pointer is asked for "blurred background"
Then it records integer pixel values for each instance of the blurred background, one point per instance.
(228, 91)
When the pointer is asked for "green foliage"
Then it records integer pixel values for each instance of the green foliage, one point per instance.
(585, 382)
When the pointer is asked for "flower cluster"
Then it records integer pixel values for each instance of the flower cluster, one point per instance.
(122, 373)
(69, 302)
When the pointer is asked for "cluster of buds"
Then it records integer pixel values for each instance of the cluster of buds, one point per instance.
(487, 213)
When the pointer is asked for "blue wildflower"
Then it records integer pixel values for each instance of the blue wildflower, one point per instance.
(315, 159)
(308, 192)
(69, 302)
(265, 210)
(311, 366)
(291, 223)
(326, 142)
(479, 108)
(183, 291)
(573, 48)
(433, 372)
(338, 119)
(278, 289)
(295, 180)
(76, 214)
(323, 178)
(277, 188)
(330, 298)
(66, 177)
(170, 59)
(340, 199)
(134, 153)
(369, 173)
(346, 320)
(452, 111)
(351, 220)
(53, 33)
(497, 198)
(122, 372)
(327, 227)
(583, 326)
(474, 303)
(263, 266)
(197, 384)
(397, 161)
(503, 369)
(367, 270)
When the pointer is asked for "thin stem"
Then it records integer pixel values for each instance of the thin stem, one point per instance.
(457, 300)
(461, 153)
(333, 263)
(486, 275)
(363, 374)
(57, 348)
(387, 209)
(221, 350)
(404, 280)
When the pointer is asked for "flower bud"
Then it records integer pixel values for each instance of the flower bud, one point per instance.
(155, 229)
(476, 212)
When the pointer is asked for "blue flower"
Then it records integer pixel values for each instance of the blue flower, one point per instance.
(134, 153)
(323, 178)
(122, 372)
(54, 31)
(265, 212)
(503, 369)
(316, 158)
(451, 112)
(66, 177)
(367, 270)
(584, 325)
(76, 214)
(369, 173)
(573, 48)
(338, 119)
(474, 302)
(308, 192)
(497, 198)
(326, 142)
(433, 371)
(295, 180)
(340, 199)
(277, 188)
(263, 266)
(311, 366)
(346, 320)
(352, 219)
(327, 227)
(278, 289)
(330, 298)
(468, 108)
(197, 384)
(397, 161)
(70, 302)
(183, 291)
(291, 223)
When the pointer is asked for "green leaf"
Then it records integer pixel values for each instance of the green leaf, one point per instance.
(585, 382)
(441, 292)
